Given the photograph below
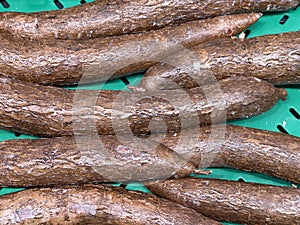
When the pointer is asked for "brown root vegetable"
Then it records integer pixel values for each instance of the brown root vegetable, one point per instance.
(239, 202)
(69, 160)
(49, 111)
(109, 18)
(274, 58)
(54, 161)
(69, 62)
(94, 205)
(271, 153)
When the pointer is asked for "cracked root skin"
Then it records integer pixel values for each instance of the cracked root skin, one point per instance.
(66, 160)
(108, 18)
(239, 202)
(267, 152)
(49, 111)
(273, 58)
(71, 61)
(94, 205)
(54, 161)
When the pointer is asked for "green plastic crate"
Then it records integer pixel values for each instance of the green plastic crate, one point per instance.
(283, 117)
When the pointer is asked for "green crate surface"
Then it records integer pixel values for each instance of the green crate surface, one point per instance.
(281, 118)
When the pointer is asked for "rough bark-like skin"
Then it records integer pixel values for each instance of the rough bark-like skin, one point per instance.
(239, 202)
(249, 149)
(108, 18)
(94, 205)
(49, 111)
(66, 160)
(100, 59)
(57, 161)
(274, 58)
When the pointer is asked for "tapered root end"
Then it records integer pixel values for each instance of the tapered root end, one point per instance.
(253, 17)
(242, 21)
(184, 171)
(282, 94)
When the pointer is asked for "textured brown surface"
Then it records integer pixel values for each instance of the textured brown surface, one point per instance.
(49, 111)
(274, 58)
(58, 161)
(107, 18)
(65, 160)
(249, 149)
(100, 59)
(94, 205)
(238, 202)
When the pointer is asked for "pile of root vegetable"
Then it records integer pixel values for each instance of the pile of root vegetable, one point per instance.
(200, 72)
